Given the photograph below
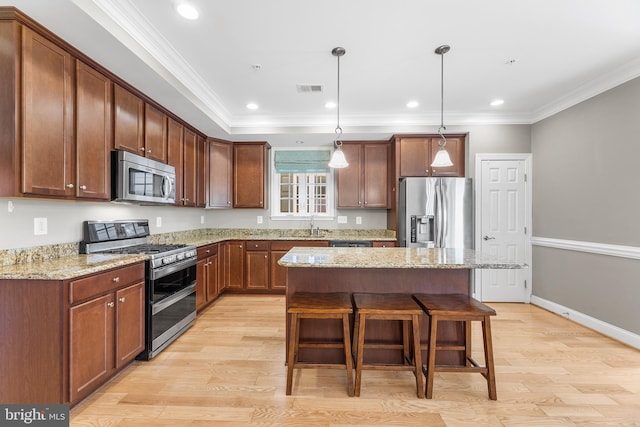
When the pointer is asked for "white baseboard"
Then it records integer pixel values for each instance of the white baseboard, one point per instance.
(604, 328)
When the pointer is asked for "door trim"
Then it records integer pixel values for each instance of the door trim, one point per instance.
(476, 292)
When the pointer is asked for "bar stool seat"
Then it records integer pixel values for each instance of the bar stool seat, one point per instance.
(458, 308)
(308, 305)
(370, 306)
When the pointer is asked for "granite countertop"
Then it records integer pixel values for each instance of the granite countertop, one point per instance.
(67, 267)
(393, 258)
(62, 261)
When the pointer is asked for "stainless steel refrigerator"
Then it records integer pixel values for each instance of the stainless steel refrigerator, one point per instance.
(435, 213)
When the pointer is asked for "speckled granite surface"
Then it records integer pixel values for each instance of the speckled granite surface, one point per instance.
(67, 267)
(393, 258)
(62, 261)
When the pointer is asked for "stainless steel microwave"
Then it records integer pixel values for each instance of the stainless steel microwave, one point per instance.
(136, 179)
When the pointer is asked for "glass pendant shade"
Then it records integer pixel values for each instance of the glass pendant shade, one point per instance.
(337, 159)
(442, 159)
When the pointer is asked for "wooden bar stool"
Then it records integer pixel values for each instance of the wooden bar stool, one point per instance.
(307, 305)
(389, 307)
(458, 308)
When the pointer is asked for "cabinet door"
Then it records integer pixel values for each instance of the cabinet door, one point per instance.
(235, 265)
(375, 176)
(201, 283)
(130, 323)
(350, 178)
(47, 121)
(455, 148)
(155, 134)
(249, 175)
(91, 343)
(278, 272)
(220, 173)
(212, 277)
(128, 121)
(175, 154)
(202, 171)
(190, 168)
(257, 263)
(93, 133)
(415, 158)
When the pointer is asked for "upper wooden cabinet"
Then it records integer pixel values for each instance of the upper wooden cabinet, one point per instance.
(190, 171)
(155, 133)
(416, 153)
(250, 174)
(93, 133)
(128, 121)
(364, 183)
(48, 148)
(220, 173)
(175, 155)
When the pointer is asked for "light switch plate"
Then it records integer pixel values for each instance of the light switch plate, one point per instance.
(259, 219)
(358, 220)
(342, 219)
(158, 221)
(201, 219)
(39, 226)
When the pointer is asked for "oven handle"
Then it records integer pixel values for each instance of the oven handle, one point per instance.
(159, 272)
(158, 307)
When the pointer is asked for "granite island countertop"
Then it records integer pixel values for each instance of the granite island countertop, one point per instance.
(406, 258)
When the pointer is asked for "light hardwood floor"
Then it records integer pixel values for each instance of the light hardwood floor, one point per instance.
(228, 370)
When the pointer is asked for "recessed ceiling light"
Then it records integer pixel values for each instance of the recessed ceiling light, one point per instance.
(252, 106)
(412, 104)
(497, 102)
(330, 104)
(299, 142)
(187, 11)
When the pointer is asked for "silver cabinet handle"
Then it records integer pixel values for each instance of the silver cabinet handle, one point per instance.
(488, 238)
(116, 279)
(69, 185)
(121, 299)
(141, 148)
(83, 187)
(149, 151)
(110, 304)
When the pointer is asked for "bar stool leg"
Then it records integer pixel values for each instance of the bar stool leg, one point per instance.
(359, 352)
(417, 353)
(293, 350)
(348, 357)
(431, 363)
(467, 343)
(488, 357)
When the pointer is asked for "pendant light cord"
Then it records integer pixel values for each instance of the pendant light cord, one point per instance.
(338, 128)
(441, 51)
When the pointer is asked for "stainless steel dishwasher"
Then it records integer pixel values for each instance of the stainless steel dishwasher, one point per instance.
(350, 243)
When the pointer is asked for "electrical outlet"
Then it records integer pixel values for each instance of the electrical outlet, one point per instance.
(39, 226)
(10, 206)
(342, 219)
(158, 221)
(259, 219)
(358, 220)
(201, 219)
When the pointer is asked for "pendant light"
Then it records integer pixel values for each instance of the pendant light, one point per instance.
(442, 158)
(337, 158)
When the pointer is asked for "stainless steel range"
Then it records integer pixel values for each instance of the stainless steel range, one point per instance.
(170, 277)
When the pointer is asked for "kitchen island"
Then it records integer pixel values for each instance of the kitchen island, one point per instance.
(383, 270)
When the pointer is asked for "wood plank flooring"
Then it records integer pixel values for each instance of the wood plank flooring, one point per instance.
(228, 370)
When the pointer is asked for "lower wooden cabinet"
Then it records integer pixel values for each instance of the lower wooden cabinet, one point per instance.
(207, 276)
(106, 332)
(257, 265)
(62, 339)
(278, 250)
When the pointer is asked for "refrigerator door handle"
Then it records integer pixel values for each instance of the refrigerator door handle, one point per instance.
(441, 215)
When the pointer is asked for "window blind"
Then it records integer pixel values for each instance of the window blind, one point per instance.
(302, 161)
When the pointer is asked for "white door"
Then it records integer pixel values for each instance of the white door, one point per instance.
(503, 222)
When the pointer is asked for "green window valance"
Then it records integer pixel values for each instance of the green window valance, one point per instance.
(302, 161)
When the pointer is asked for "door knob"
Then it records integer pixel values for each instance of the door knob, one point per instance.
(488, 238)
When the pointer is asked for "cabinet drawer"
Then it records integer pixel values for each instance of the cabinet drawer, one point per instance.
(101, 283)
(207, 251)
(288, 244)
(253, 245)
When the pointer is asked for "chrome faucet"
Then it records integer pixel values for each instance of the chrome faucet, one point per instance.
(311, 226)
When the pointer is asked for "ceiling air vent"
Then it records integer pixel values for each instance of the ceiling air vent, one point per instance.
(309, 88)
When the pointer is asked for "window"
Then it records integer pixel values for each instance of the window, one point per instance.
(302, 184)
